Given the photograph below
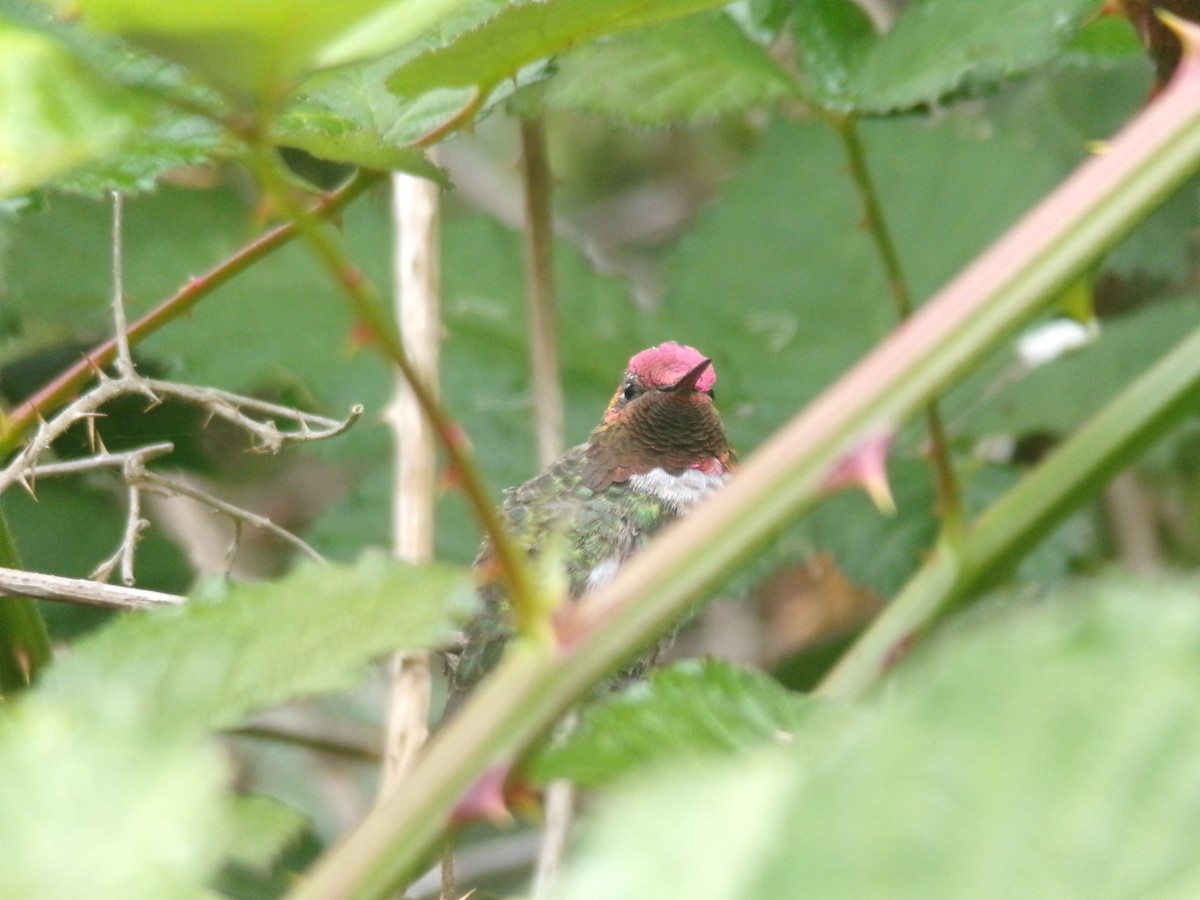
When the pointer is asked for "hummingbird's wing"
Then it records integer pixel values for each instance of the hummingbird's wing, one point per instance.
(592, 532)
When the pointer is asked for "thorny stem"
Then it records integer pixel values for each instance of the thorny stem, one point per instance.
(60, 391)
(367, 304)
(949, 496)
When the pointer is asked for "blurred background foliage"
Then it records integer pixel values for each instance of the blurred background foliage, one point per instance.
(740, 234)
(700, 197)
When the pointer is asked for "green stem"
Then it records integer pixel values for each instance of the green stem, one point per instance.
(367, 304)
(1006, 285)
(1012, 526)
(537, 181)
(949, 502)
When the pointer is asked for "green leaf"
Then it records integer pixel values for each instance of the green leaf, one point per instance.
(692, 708)
(1106, 39)
(243, 647)
(352, 101)
(262, 829)
(935, 48)
(95, 809)
(116, 724)
(349, 116)
(262, 49)
(523, 33)
(327, 135)
(55, 114)
(833, 37)
(1048, 751)
(156, 92)
(694, 69)
(169, 141)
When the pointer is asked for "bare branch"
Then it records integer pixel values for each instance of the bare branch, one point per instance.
(105, 460)
(124, 361)
(233, 408)
(19, 583)
(239, 411)
(160, 484)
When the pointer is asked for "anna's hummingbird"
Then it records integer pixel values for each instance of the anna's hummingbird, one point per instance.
(659, 450)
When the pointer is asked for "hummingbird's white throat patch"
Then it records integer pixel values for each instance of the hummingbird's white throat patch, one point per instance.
(680, 492)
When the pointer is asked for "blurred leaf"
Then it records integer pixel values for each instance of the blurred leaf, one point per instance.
(328, 135)
(935, 47)
(524, 33)
(262, 830)
(170, 141)
(784, 302)
(239, 648)
(693, 69)
(1058, 745)
(833, 38)
(262, 49)
(1054, 398)
(349, 108)
(94, 809)
(285, 298)
(157, 92)
(347, 114)
(881, 552)
(55, 114)
(1163, 244)
(876, 551)
(690, 709)
(1105, 39)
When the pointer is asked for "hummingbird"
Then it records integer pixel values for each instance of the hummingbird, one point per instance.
(658, 451)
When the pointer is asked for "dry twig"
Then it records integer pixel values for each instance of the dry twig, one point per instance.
(257, 418)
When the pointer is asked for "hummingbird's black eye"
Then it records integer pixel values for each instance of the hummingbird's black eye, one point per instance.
(630, 391)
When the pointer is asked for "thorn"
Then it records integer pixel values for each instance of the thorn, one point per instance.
(24, 661)
(454, 436)
(866, 466)
(361, 335)
(485, 799)
(1187, 31)
(25, 483)
(155, 400)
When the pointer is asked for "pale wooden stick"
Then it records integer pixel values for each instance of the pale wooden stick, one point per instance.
(415, 213)
(19, 583)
